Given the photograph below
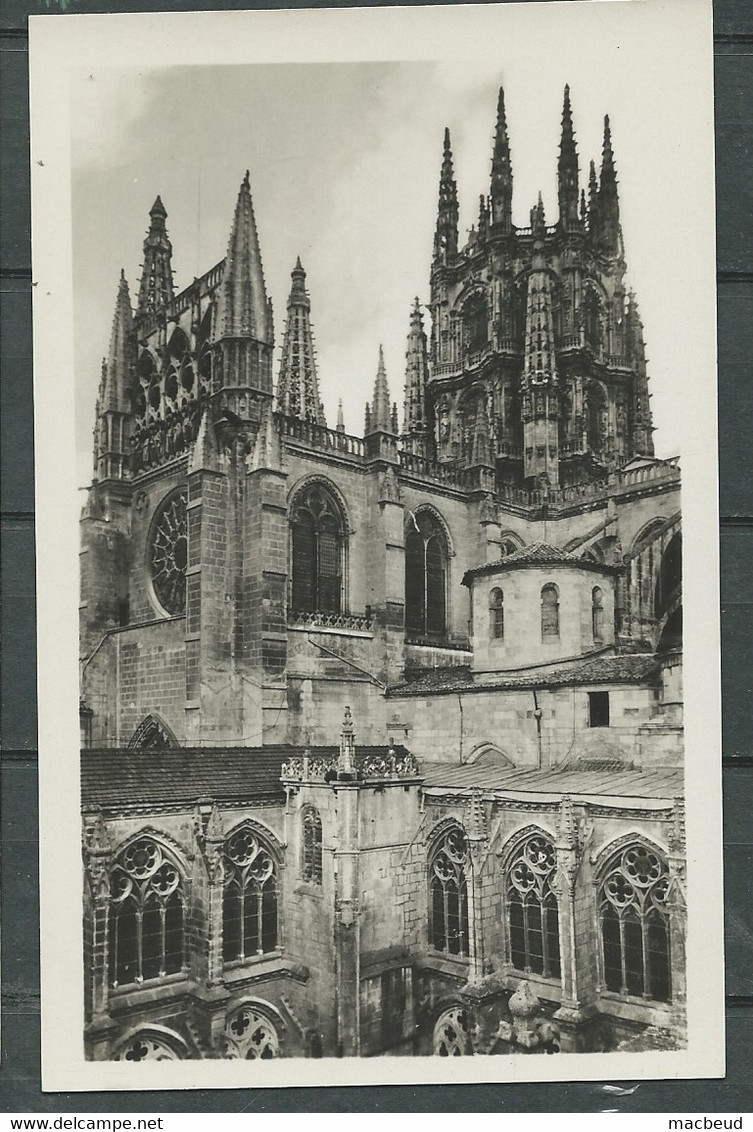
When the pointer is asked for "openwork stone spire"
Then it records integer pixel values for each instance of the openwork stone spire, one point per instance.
(297, 385)
(608, 229)
(115, 387)
(156, 287)
(446, 236)
(567, 170)
(415, 429)
(245, 311)
(379, 419)
(501, 183)
(113, 413)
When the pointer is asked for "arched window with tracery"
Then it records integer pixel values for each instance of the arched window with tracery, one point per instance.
(596, 417)
(147, 913)
(496, 614)
(550, 610)
(311, 845)
(635, 929)
(250, 899)
(448, 893)
(532, 911)
(597, 614)
(426, 557)
(250, 1034)
(149, 1046)
(318, 552)
(451, 1037)
(476, 324)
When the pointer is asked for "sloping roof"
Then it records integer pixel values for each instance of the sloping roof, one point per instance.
(626, 668)
(653, 789)
(128, 778)
(538, 554)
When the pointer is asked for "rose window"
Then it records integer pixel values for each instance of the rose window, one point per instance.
(168, 554)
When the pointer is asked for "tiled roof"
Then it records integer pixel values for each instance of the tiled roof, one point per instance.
(649, 787)
(538, 554)
(128, 778)
(628, 668)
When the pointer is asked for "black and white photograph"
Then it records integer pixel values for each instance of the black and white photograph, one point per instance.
(376, 445)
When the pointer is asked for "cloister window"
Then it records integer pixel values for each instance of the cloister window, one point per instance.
(311, 848)
(496, 614)
(147, 910)
(532, 912)
(635, 924)
(448, 894)
(597, 614)
(550, 611)
(146, 1046)
(426, 557)
(249, 1035)
(318, 552)
(249, 906)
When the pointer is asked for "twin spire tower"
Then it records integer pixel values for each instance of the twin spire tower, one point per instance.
(534, 364)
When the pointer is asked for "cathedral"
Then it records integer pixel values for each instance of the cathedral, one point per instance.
(382, 735)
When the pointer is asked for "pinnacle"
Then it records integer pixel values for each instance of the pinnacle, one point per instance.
(158, 208)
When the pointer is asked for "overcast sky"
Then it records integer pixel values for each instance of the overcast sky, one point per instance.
(344, 160)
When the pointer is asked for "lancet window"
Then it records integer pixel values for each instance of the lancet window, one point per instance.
(426, 557)
(635, 928)
(532, 912)
(550, 611)
(448, 893)
(318, 552)
(597, 614)
(250, 899)
(147, 912)
(496, 614)
(311, 847)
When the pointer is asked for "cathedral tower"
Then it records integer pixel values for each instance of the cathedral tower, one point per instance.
(536, 322)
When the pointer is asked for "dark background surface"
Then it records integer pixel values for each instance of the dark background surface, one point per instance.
(20, 1036)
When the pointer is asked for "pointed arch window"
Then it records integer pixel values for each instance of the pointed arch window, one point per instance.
(426, 557)
(596, 413)
(597, 614)
(635, 931)
(250, 900)
(550, 611)
(147, 911)
(496, 614)
(448, 893)
(318, 552)
(476, 324)
(311, 846)
(250, 1035)
(532, 911)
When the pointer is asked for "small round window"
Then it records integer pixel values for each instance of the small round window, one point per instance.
(168, 554)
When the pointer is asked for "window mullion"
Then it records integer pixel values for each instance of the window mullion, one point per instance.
(139, 943)
(623, 956)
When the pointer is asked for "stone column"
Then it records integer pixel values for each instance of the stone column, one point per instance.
(347, 892)
(576, 930)
(208, 1004)
(99, 1026)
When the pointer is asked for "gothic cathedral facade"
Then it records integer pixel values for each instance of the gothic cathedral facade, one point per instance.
(382, 734)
